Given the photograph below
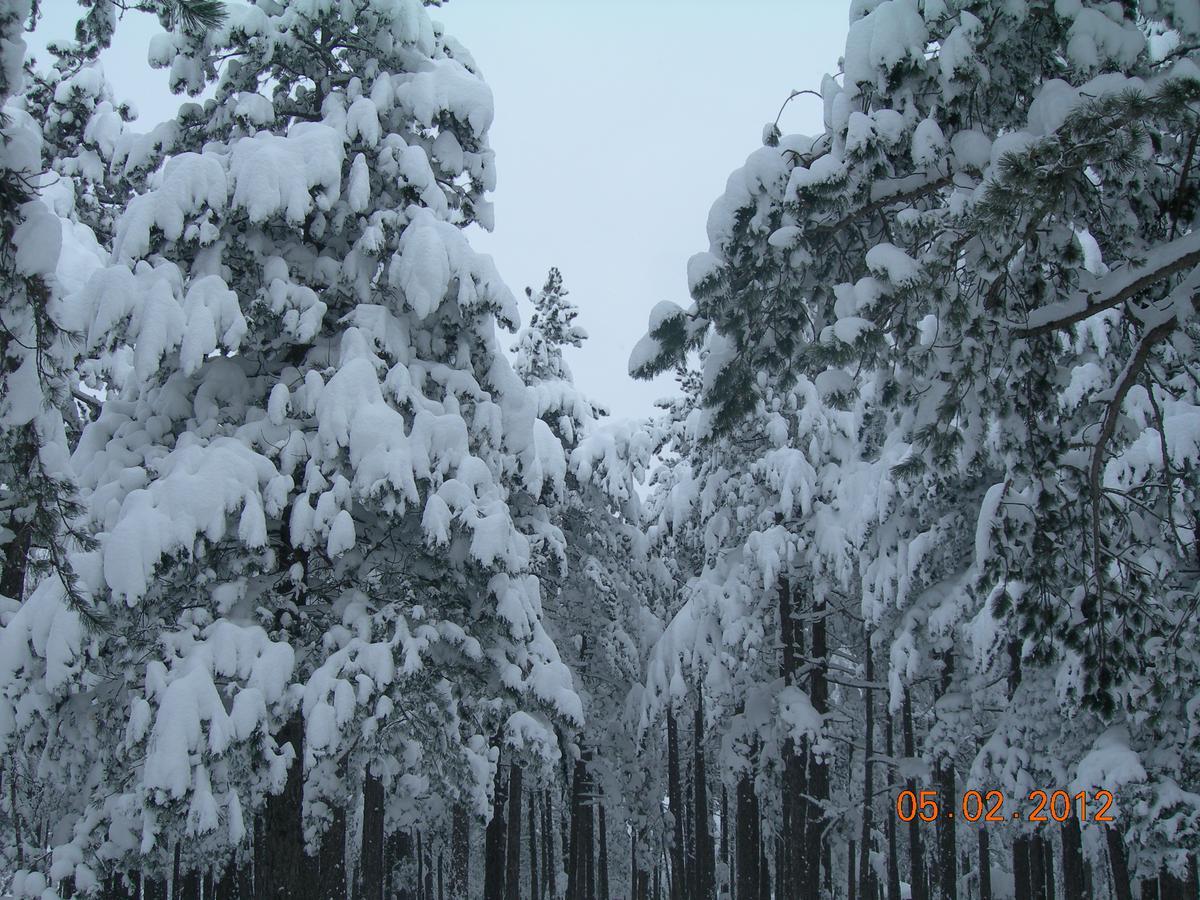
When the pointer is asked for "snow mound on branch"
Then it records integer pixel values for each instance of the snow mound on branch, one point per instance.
(196, 489)
(273, 174)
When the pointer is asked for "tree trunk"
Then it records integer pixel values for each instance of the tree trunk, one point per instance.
(866, 875)
(893, 858)
(1048, 865)
(747, 839)
(851, 866)
(549, 865)
(916, 853)
(948, 789)
(512, 869)
(535, 888)
(705, 883)
(460, 852)
(818, 768)
(1072, 860)
(575, 866)
(1037, 868)
(985, 864)
(281, 866)
(1118, 864)
(679, 887)
(1021, 873)
(603, 880)
(153, 888)
(790, 861)
(331, 860)
(371, 859)
(726, 882)
(495, 841)
(16, 563)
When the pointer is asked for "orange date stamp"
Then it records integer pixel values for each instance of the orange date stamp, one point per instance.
(989, 806)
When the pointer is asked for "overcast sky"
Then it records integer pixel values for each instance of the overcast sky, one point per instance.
(617, 124)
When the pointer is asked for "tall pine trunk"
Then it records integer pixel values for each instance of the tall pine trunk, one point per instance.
(460, 852)
(281, 866)
(549, 864)
(747, 840)
(1021, 873)
(679, 887)
(866, 874)
(371, 858)
(704, 887)
(603, 892)
(512, 868)
(916, 852)
(1118, 863)
(816, 848)
(985, 864)
(1072, 860)
(790, 863)
(948, 789)
(495, 840)
(535, 887)
(893, 857)
(331, 860)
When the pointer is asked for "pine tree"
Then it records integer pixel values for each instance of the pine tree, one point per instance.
(310, 564)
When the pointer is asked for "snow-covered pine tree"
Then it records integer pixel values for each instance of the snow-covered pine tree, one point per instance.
(308, 571)
(599, 583)
(914, 239)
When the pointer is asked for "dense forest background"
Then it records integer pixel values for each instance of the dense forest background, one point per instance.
(320, 578)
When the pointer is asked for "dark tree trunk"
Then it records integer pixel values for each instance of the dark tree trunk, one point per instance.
(441, 879)
(1048, 865)
(153, 888)
(706, 866)
(16, 563)
(893, 857)
(985, 864)
(747, 840)
(331, 862)
(790, 861)
(948, 789)
(1021, 868)
(512, 869)
(679, 887)
(1117, 862)
(603, 880)
(575, 867)
(818, 768)
(1037, 868)
(495, 841)
(282, 868)
(1149, 889)
(916, 853)
(535, 887)
(371, 865)
(460, 852)
(727, 882)
(1072, 860)
(851, 867)
(549, 865)
(421, 893)
(589, 840)
(866, 875)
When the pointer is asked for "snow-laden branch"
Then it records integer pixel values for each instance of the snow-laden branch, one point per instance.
(1105, 292)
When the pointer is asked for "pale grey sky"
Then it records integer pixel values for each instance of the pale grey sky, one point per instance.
(617, 124)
